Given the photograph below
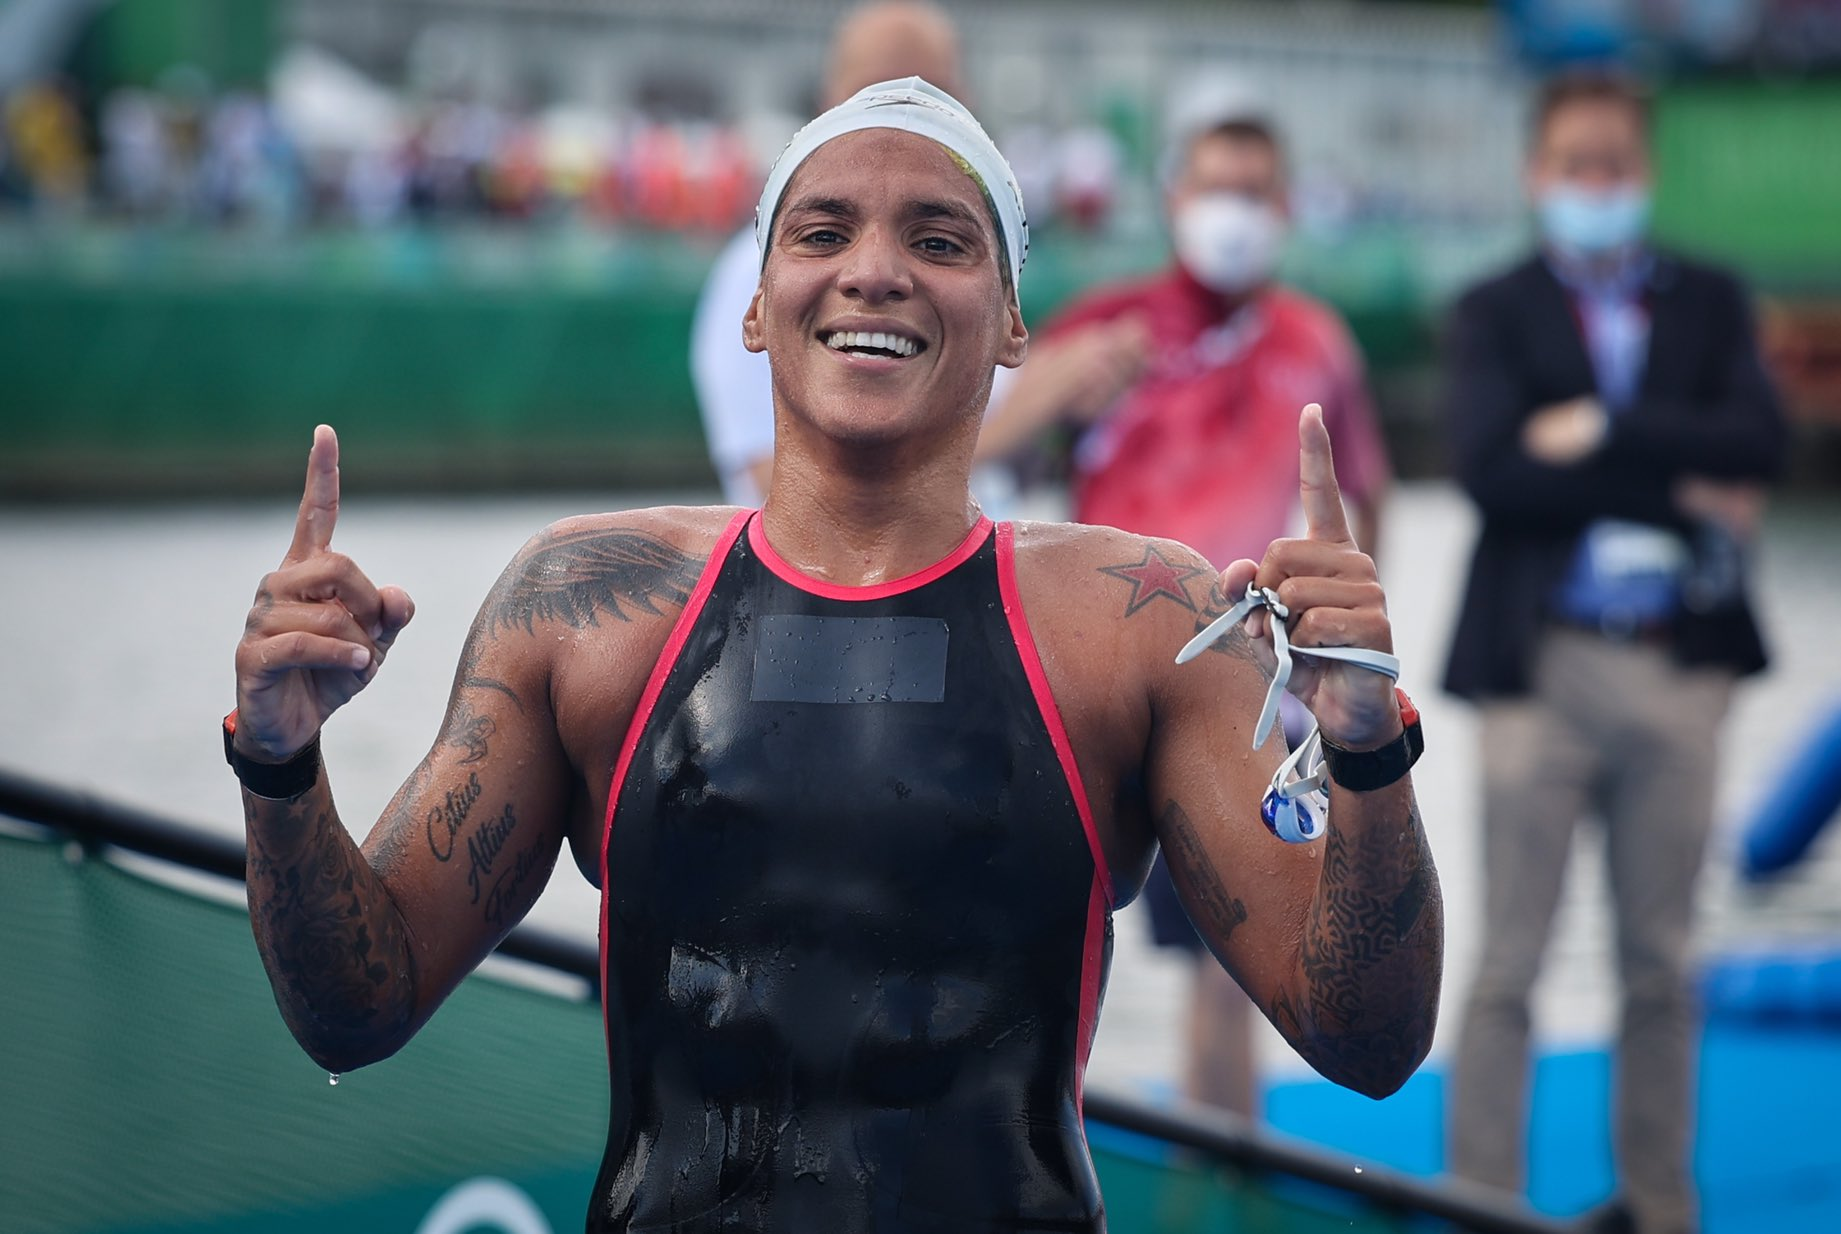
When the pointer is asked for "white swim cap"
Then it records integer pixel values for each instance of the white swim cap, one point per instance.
(911, 105)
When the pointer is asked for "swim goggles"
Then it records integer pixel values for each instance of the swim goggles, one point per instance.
(1296, 807)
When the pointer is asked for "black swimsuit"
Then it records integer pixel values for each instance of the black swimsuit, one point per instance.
(855, 920)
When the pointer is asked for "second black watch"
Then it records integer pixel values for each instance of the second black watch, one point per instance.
(1363, 771)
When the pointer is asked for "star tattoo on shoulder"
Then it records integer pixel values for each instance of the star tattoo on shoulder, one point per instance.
(1155, 576)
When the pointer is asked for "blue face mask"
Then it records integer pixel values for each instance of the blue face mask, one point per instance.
(1582, 222)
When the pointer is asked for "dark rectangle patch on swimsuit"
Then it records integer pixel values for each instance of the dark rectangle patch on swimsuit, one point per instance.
(804, 659)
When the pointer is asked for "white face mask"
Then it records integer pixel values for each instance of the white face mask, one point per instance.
(1228, 242)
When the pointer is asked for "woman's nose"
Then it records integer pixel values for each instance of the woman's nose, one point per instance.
(875, 268)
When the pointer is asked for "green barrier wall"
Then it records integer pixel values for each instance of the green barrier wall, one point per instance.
(149, 1087)
(137, 42)
(1750, 173)
(151, 1084)
(186, 363)
(195, 362)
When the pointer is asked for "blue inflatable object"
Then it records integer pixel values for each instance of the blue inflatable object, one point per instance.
(1807, 796)
(1798, 985)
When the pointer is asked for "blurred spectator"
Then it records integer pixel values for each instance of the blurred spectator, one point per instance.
(1031, 149)
(655, 175)
(722, 184)
(45, 136)
(1087, 175)
(516, 183)
(463, 142)
(1613, 424)
(136, 154)
(184, 95)
(376, 188)
(876, 42)
(1186, 388)
(249, 169)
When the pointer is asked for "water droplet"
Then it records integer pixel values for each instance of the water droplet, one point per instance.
(1358, 1169)
(332, 1078)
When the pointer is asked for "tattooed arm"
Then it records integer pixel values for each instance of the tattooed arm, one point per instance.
(361, 946)
(472, 836)
(1340, 942)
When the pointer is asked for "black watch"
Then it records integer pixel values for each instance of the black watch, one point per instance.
(1363, 771)
(274, 781)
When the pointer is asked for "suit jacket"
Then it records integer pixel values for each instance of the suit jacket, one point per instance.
(1704, 407)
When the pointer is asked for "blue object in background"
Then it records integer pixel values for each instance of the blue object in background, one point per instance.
(1807, 796)
(1550, 32)
(1767, 1146)
(1792, 986)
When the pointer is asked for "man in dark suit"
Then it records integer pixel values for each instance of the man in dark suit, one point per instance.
(1612, 422)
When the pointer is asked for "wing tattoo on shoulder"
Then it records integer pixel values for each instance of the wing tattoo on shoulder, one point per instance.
(579, 577)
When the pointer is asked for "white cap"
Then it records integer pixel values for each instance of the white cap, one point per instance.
(911, 105)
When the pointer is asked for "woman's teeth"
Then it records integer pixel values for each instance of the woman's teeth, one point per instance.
(859, 340)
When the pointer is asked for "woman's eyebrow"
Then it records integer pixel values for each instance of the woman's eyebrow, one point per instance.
(822, 205)
(930, 209)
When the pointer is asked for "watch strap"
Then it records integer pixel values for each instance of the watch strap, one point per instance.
(272, 781)
(1363, 771)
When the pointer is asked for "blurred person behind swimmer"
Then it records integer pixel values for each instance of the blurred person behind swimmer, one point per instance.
(1612, 422)
(879, 41)
(1183, 389)
(858, 794)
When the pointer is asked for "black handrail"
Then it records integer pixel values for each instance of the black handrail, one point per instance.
(1217, 1136)
(1227, 1137)
(96, 823)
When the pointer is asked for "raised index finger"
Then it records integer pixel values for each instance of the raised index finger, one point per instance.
(1318, 491)
(319, 504)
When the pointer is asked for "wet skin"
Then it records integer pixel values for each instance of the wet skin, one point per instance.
(1339, 942)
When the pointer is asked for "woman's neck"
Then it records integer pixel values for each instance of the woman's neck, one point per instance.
(859, 517)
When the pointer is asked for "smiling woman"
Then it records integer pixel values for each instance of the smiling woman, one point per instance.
(861, 775)
(886, 299)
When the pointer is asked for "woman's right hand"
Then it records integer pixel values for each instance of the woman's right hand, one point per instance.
(319, 629)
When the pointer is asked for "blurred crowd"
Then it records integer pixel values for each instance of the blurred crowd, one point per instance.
(191, 155)
(188, 154)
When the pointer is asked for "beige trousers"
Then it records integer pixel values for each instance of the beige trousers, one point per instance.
(1619, 732)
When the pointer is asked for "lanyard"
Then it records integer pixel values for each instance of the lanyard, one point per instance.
(1295, 810)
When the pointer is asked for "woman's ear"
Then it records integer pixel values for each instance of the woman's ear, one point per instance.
(1015, 346)
(754, 334)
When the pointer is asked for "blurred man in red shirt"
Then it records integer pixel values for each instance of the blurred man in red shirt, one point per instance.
(1185, 389)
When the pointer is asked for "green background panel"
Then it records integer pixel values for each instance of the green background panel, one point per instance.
(150, 1080)
(136, 42)
(186, 362)
(1750, 172)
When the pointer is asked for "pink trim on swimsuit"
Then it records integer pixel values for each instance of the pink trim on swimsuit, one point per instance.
(789, 573)
(1045, 698)
(648, 699)
(1092, 968)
